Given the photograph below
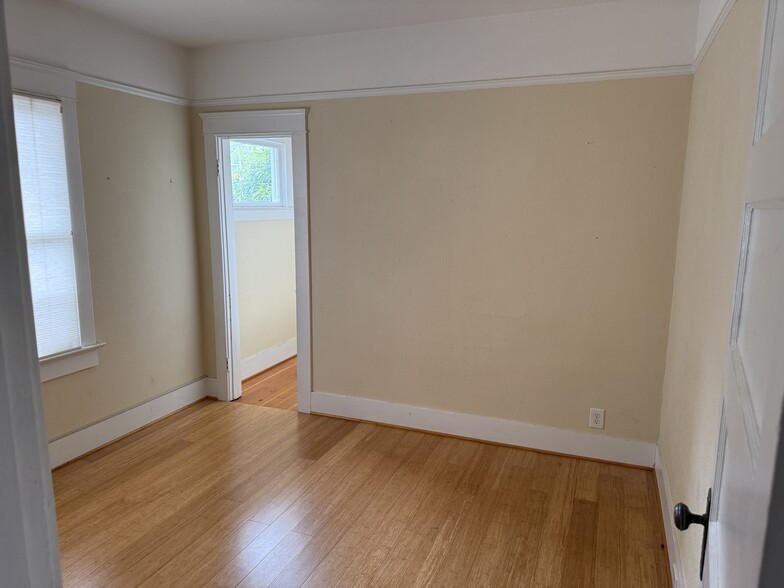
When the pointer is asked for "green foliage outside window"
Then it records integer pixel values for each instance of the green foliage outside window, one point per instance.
(251, 173)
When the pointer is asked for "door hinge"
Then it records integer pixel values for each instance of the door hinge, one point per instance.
(227, 364)
(217, 166)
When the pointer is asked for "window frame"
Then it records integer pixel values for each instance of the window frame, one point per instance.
(45, 85)
(283, 180)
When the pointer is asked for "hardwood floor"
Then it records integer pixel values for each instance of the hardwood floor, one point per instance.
(273, 388)
(226, 494)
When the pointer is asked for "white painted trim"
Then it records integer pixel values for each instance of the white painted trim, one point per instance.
(703, 49)
(211, 386)
(650, 72)
(264, 360)
(674, 553)
(73, 76)
(81, 251)
(767, 54)
(218, 127)
(41, 80)
(71, 446)
(69, 362)
(254, 122)
(24, 66)
(29, 555)
(51, 83)
(263, 213)
(485, 428)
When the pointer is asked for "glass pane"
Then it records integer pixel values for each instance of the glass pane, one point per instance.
(47, 215)
(55, 303)
(253, 178)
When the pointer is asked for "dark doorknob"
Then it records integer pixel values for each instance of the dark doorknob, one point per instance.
(685, 518)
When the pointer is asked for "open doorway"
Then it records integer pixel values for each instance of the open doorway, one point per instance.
(275, 387)
(257, 182)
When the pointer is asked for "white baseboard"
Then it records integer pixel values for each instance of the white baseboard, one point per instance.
(676, 567)
(487, 429)
(266, 359)
(211, 386)
(70, 446)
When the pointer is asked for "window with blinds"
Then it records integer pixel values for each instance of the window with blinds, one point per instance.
(47, 215)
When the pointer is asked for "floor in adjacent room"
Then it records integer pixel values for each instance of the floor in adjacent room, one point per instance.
(274, 388)
(227, 494)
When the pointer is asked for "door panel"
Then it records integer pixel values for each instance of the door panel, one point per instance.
(758, 326)
(752, 402)
(754, 382)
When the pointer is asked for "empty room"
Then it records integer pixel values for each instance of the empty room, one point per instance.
(385, 293)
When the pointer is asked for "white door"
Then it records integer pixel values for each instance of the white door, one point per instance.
(29, 554)
(754, 388)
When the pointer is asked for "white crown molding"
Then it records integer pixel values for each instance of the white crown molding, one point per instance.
(470, 426)
(650, 72)
(714, 30)
(665, 501)
(573, 78)
(68, 74)
(73, 445)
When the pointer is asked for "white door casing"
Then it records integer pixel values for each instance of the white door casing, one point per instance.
(29, 554)
(291, 123)
(750, 431)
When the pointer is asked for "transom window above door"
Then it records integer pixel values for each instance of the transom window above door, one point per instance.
(260, 181)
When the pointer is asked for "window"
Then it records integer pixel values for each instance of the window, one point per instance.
(260, 178)
(52, 201)
(47, 214)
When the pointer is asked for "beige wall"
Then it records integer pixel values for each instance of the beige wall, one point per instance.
(504, 252)
(142, 241)
(722, 121)
(265, 274)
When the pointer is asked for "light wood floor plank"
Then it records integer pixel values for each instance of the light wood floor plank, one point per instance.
(240, 495)
(273, 388)
(555, 476)
(276, 561)
(580, 548)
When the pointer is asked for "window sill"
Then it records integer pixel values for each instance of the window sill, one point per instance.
(261, 213)
(69, 362)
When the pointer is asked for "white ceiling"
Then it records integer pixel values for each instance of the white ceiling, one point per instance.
(201, 23)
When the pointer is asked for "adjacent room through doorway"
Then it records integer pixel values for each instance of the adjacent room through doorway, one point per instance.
(273, 388)
(260, 184)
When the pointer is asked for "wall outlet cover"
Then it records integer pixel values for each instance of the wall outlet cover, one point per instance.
(596, 419)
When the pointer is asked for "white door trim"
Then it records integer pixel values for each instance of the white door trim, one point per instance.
(666, 504)
(273, 123)
(29, 554)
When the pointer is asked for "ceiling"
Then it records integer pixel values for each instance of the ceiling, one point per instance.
(200, 23)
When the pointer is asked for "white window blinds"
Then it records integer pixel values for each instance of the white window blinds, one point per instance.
(47, 216)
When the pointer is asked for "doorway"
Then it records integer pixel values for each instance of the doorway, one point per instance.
(258, 184)
(259, 240)
(275, 387)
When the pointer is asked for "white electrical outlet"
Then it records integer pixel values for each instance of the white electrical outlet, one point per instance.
(596, 420)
